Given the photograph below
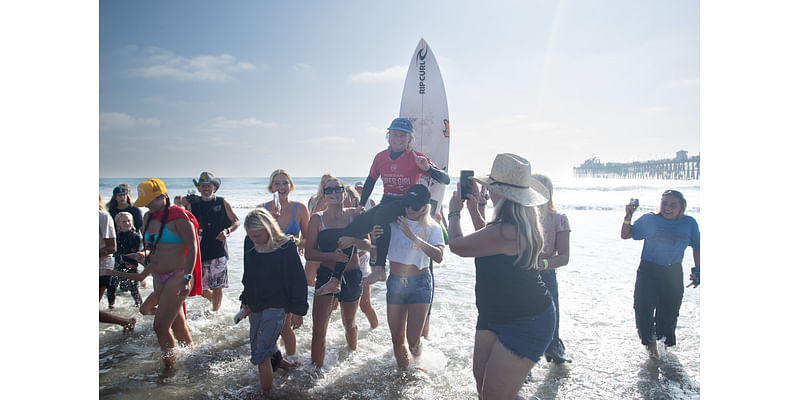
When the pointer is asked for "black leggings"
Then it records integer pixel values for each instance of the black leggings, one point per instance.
(382, 214)
(659, 291)
(124, 285)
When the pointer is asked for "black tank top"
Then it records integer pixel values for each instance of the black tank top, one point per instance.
(504, 291)
(213, 219)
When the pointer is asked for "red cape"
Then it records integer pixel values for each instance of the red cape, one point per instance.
(176, 212)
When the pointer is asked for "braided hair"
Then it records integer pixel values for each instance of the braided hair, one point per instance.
(152, 246)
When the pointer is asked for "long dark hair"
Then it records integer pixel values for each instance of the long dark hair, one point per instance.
(112, 204)
(152, 246)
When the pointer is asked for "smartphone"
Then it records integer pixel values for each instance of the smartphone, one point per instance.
(466, 184)
(275, 200)
(635, 202)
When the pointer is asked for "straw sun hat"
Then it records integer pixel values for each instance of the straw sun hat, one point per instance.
(511, 179)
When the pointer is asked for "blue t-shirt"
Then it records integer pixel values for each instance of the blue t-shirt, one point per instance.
(665, 240)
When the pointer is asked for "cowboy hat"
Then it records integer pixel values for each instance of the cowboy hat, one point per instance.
(511, 179)
(207, 177)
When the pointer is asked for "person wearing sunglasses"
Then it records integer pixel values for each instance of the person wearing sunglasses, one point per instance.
(399, 167)
(324, 230)
(658, 292)
(416, 240)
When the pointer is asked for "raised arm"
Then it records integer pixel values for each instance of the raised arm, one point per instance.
(493, 239)
(477, 208)
(369, 184)
(436, 253)
(626, 223)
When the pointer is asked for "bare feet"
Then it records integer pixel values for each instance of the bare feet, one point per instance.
(169, 358)
(652, 349)
(378, 274)
(287, 365)
(331, 286)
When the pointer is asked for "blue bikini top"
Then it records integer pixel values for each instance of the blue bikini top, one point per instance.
(168, 237)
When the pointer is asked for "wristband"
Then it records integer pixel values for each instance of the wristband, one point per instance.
(626, 222)
(481, 204)
(546, 263)
(454, 214)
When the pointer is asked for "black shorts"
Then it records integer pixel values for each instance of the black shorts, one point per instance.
(105, 281)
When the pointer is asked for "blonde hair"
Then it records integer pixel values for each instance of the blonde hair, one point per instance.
(260, 219)
(280, 172)
(410, 142)
(119, 217)
(312, 203)
(544, 180)
(426, 219)
(529, 230)
(102, 206)
(352, 194)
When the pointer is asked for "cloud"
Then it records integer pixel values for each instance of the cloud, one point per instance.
(329, 140)
(396, 73)
(302, 67)
(116, 120)
(162, 63)
(221, 123)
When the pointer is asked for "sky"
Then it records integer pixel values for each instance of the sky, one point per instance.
(243, 91)
(242, 88)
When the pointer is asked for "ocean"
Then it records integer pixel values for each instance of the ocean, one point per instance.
(597, 324)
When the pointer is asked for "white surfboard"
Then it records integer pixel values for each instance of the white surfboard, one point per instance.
(424, 102)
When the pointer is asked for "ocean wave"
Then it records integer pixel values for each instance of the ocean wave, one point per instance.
(630, 188)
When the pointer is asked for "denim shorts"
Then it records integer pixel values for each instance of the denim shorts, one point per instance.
(525, 337)
(265, 327)
(350, 284)
(416, 289)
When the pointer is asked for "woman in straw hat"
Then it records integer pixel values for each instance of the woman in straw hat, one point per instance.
(516, 316)
(172, 253)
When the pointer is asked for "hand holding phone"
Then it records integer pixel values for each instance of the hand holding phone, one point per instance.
(466, 183)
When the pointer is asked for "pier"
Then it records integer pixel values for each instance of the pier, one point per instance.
(682, 167)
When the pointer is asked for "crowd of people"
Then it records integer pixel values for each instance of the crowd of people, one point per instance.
(346, 239)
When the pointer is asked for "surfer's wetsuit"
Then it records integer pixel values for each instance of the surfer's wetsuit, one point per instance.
(399, 172)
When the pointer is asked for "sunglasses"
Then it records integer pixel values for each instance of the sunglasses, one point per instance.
(337, 189)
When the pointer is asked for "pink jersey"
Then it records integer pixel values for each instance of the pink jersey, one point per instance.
(397, 175)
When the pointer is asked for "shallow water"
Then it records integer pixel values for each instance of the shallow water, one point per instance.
(597, 326)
